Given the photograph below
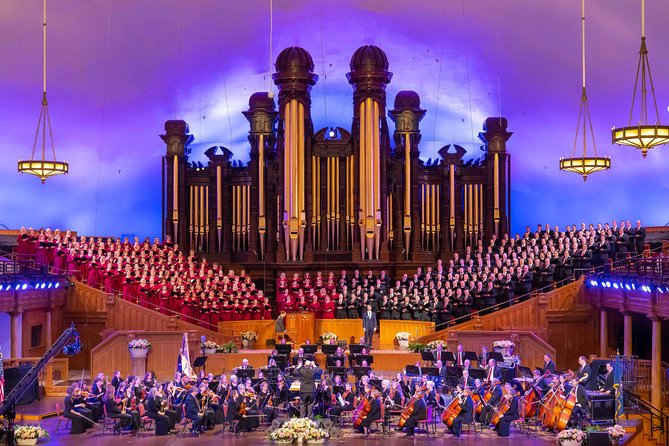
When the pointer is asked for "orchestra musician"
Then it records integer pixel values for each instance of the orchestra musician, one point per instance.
(581, 407)
(374, 413)
(466, 414)
(483, 357)
(460, 356)
(193, 411)
(489, 406)
(539, 382)
(116, 379)
(583, 373)
(511, 414)
(419, 413)
(76, 412)
(344, 402)
(608, 380)
(466, 380)
(129, 418)
(493, 371)
(437, 353)
(266, 406)
(549, 364)
(155, 409)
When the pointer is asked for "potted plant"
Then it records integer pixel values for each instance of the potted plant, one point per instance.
(571, 437)
(327, 336)
(249, 338)
(432, 345)
(402, 339)
(210, 347)
(616, 433)
(228, 347)
(417, 347)
(505, 347)
(29, 435)
(139, 348)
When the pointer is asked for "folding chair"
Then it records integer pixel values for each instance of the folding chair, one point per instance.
(59, 413)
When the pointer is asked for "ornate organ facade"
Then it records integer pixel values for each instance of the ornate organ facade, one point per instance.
(360, 195)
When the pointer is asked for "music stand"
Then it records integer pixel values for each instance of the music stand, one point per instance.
(199, 362)
(428, 355)
(332, 360)
(472, 356)
(337, 371)
(283, 349)
(213, 385)
(360, 358)
(525, 371)
(329, 349)
(245, 373)
(412, 370)
(477, 374)
(281, 361)
(360, 371)
(497, 356)
(309, 348)
(447, 356)
(431, 371)
(355, 348)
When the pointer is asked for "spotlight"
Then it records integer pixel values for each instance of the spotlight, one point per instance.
(49, 285)
(615, 285)
(593, 283)
(42, 285)
(627, 286)
(660, 290)
(17, 286)
(633, 287)
(608, 284)
(1, 287)
(57, 285)
(24, 286)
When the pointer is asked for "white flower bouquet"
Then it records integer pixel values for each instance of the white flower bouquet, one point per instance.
(249, 335)
(30, 432)
(616, 432)
(139, 344)
(210, 344)
(283, 435)
(571, 434)
(432, 345)
(402, 336)
(503, 344)
(313, 434)
(328, 335)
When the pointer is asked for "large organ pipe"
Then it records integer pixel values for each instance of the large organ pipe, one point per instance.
(407, 194)
(422, 216)
(191, 217)
(451, 190)
(481, 210)
(244, 220)
(328, 201)
(471, 210)
(301, 178)
(437, 200)
(336, 209)
(175, 197)
(495, 182)
(219, 205)
(206, 218)
(465, 200)
(314, 203)
(475, 211)
(433, 213)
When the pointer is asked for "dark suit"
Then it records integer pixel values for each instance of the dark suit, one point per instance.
(582, 372)
(307, 377)
(608, 383)
(468, 383)
(510, 415)
(488, 407)
(419, 413)
(368, 325)
(192, 408)
(466, 415)
(550, 365)
(494, 372)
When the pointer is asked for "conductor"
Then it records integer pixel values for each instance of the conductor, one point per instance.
(307, 375)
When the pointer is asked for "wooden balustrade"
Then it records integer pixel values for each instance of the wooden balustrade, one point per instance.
(643, 378)
(416, 329)
(112, 353)
(349, 330)
(529, 347)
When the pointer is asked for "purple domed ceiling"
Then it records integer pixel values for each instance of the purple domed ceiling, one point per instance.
(119, 69)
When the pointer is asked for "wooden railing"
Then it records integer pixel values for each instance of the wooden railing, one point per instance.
(388, 329)
(528, 314)
(643, 378)
(112, 353)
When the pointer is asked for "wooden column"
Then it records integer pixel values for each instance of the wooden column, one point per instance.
(627, 337)
(47, 327)
(603, 333)
(15, 333)
(656, 363)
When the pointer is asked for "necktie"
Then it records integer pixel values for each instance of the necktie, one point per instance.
(490, 374)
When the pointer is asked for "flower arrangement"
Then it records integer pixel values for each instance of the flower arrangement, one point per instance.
(210, 345)
(503, 344)
(417, 347)
(295, 428)
(140, 344)
(402, 336)
(249, 335)
(328, 335)
(30, 432)
(571, 434)
(228, 347)
(432, 345)
(616, 432)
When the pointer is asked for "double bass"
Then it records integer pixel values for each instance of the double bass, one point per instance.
(408, 410)
(566, 407)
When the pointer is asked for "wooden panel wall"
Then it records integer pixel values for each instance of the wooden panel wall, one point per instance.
(349, 330)
(388, 329)
(112, 353)
(264, 329)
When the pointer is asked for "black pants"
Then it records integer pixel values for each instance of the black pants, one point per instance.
(503, 425)
(306, 404)
(79, 424)
(457, 425)
(162, 423)
(197, 422)
(411, 424)
(368, 421)
(127, 420)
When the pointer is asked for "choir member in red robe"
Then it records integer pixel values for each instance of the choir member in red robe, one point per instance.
(327, 309)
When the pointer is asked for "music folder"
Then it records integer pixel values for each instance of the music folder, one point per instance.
(329, 349)
(355, 348)
(412, 370)
(309, 348)
(497, 356)
(283, 349)
(200, 361)
(245, 373)
(431, 371)
(360, 358)
(477, 374)
(472, 356)
(428, 355)
(332, 361)
(360, 371)
(334, 371)
(447, 356)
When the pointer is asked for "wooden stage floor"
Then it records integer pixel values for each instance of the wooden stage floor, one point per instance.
(489, 438)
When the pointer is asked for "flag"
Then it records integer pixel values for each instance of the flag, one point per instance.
(183, 364)
(618, 386)
(2, 382)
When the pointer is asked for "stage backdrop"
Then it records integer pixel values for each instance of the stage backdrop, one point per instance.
(118, 70)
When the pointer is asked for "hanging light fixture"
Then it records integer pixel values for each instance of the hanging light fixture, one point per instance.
(584, 165)
(43, 167)
(643, 136)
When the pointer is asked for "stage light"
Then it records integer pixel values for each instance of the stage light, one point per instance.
(24, 286)
(615, 285)
(49, 285)
(593, 283)
(627, 286)
(608, 284)
(42, 285)
(660, 290)
(18, 285)
(633, 287)
(1, 287)
(57, 285)
(332, 133)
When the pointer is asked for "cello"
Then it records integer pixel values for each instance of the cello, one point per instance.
(453, 409)
(361, 411)
(566, 406)
(408, 410)
(502, 408)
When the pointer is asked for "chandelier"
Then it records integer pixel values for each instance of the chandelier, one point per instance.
(643, 136)
(584, 165)
(43, 167)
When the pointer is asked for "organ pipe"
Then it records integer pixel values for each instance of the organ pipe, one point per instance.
(451, 189)
(495, 182)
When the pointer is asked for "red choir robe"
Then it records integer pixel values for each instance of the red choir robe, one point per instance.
(327, 310)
